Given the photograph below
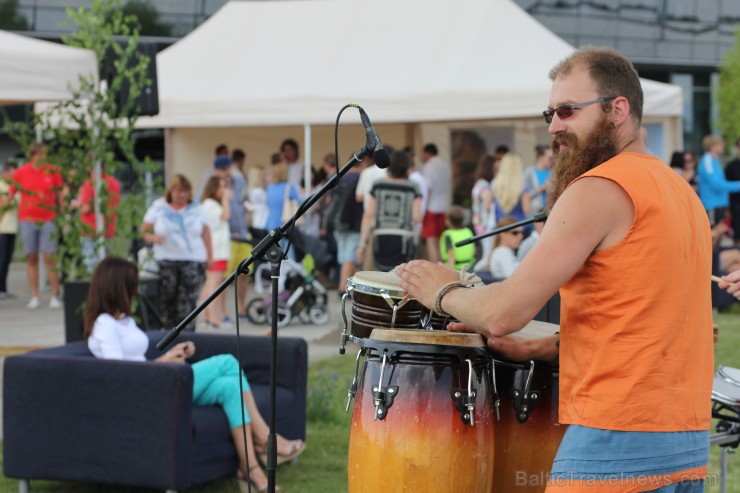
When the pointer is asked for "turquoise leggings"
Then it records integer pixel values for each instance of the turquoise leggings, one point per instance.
(215, 383)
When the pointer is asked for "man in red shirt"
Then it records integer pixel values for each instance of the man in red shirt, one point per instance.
(40, 186)
(110, 198)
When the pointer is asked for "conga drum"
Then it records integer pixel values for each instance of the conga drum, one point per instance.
(423, 418)
(378, 301)
(528, 434)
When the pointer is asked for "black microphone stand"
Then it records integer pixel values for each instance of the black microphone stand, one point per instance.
(269, 248)
(537, 218)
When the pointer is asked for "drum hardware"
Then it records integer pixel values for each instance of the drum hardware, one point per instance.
(425, 322)
(345, 335)
(495, 397)
(466, 405)
(393, 306)
(353, 388)
(383, 396)
(524, 400)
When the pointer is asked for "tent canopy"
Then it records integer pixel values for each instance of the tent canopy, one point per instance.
(35, 70)
(286, 62)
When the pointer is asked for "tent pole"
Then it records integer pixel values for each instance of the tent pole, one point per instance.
(307, 157)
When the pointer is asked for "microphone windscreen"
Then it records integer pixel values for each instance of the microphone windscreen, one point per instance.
(382, 159)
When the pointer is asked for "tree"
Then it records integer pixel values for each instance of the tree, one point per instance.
(95, 126)
(729, 94)
(146, 18)
(10, 19)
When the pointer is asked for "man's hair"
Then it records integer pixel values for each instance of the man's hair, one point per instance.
(611, 71)
(221, 149)
(709, 141)
(238, 155)
(399, 167)
(36, 148)
(331, 160)
(540, 150)
(456, 216)
(275, 158)
(431, 149)
(289, 142)
(501, 149)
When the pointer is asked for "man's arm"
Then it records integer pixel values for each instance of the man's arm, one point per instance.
(591, 215)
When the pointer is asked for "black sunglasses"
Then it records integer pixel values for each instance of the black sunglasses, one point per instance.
(516, 233)
(566, 111)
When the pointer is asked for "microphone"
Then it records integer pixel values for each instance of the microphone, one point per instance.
(380, 155)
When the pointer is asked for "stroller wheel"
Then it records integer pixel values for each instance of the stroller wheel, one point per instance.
(256, 311)
(304, 316)
(318, 314)
(283, 313)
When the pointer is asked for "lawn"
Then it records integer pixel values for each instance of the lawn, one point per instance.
(323, 467)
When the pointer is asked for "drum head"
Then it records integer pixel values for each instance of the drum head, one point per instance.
(377, 283)
(726, 388)
(435, 337)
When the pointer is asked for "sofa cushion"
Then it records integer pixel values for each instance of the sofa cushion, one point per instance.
(213, 453)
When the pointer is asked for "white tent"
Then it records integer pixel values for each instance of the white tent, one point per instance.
(35, 70)
(284, 62)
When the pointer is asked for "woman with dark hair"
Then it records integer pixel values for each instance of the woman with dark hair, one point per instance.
(392, 209)
(112, 333)
(182, 248)
(684, 163)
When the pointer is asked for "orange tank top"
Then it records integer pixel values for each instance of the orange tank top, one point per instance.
(636, 351)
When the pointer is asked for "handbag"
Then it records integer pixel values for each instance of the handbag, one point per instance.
(290, 207)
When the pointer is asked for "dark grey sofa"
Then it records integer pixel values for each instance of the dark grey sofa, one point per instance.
(70, 416)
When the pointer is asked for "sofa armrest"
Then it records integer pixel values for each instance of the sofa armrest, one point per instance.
(85, 419)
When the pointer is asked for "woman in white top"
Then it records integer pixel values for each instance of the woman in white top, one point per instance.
(215, 204)
(111, 333)
(182, 248)
(482, 200)
(503, 260)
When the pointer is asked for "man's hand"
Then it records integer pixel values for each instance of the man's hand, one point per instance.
(732, 283)
(422, 279)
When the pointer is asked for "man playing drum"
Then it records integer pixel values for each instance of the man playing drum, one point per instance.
(628, 244)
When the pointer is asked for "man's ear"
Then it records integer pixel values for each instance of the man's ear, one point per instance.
(620, 110)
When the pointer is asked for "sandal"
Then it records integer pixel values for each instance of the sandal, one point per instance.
(296, 448)
(244, 485)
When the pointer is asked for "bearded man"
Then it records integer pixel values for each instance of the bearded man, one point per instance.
(628, 245)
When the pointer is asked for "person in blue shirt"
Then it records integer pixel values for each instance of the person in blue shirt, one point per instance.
(536, 177)
(714, 189)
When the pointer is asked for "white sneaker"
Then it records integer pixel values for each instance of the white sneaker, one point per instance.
(55, 303)
(34, 303)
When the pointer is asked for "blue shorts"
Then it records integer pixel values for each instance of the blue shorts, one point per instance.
(37, 237)
(347, 244)
(591, 459)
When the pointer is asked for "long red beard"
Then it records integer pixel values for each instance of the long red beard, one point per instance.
(580, 156)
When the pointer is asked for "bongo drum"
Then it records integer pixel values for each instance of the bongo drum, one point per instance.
(423, 418)
(379, 301)
(528, 434)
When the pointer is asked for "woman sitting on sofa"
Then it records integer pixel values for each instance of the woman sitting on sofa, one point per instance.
(112, 333)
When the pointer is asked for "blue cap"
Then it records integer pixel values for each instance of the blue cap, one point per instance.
(222, 162)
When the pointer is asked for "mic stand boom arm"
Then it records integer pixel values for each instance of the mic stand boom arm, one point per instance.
(537, 218)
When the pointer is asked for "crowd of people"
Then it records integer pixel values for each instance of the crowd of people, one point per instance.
(375, 219)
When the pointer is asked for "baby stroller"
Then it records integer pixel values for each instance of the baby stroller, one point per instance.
(302, 296)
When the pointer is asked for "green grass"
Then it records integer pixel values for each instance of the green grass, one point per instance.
(322, 468)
